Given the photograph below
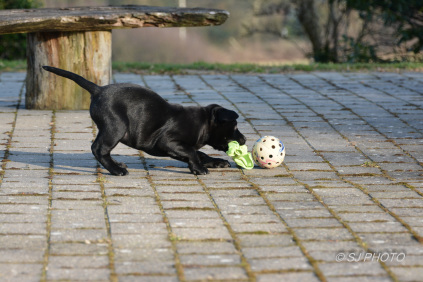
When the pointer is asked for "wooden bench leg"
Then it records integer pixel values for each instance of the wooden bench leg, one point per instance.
(88, 54)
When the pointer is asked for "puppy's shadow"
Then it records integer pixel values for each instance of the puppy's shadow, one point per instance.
(85, 163)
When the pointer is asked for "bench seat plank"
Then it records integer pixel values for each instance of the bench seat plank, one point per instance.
(105, 18)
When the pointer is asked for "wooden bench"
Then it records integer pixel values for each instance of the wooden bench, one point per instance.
(79, 40)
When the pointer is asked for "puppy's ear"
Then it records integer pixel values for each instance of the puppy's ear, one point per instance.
(222, 115)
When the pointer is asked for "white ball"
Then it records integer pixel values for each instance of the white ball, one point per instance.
(268, 152)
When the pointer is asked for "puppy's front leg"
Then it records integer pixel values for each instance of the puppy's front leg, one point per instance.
(188, 155)
(208, 161)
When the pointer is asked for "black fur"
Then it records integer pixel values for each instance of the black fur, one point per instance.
(140, 118)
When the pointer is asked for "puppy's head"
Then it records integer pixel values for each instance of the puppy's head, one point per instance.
(223, 128)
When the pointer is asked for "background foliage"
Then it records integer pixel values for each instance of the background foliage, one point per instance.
(13, 46)
(265, 31)
(346, 30)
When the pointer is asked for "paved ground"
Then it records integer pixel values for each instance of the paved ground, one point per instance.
(346, 205)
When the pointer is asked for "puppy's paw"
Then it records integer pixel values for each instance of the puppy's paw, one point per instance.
(217, 163)
(119, 171)
(121, 165)
(199, 170)
(223, 164)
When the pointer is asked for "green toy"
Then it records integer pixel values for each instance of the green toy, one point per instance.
(240, 155)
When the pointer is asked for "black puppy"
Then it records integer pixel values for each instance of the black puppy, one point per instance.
(141, 119)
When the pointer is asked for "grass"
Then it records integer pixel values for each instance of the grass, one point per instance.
(158, 68)
(13, 65)
(148, 68)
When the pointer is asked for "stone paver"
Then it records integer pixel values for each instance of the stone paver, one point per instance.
(346, 204)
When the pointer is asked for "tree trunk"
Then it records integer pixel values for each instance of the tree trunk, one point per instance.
(85, 53)
(308, 17)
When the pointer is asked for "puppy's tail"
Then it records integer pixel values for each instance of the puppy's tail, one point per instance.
(87, 85)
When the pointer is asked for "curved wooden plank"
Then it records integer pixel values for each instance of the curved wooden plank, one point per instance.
(106, 18)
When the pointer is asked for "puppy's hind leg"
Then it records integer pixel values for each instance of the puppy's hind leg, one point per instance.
(101, 148)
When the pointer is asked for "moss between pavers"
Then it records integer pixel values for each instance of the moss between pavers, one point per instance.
(370, 164)
(189, 209)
